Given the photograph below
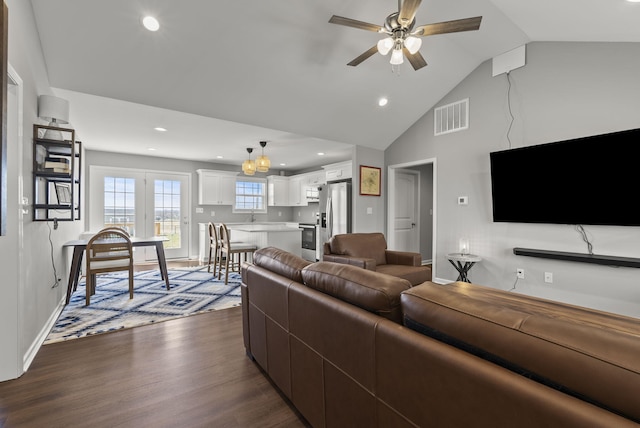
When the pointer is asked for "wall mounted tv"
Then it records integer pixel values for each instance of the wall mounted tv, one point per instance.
(587, 181)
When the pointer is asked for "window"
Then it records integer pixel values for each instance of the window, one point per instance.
(250, 195)
(166, 211)
(119, 203)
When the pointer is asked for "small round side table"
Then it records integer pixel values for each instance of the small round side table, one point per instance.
(463, 263)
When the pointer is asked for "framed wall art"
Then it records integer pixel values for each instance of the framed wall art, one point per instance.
(63, 192)
(370, 180)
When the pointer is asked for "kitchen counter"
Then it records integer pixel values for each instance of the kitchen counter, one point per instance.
(286, 236)
(264, 227)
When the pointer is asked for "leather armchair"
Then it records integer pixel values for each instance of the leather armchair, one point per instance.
(369, 251)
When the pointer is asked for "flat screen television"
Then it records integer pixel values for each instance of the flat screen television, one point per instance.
(586, 181)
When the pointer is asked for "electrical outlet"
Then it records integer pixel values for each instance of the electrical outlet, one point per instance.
(520, 273)
(213, 213)
(548, 277)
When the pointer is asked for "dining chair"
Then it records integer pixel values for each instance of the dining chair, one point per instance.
(109, 250)
(214, 248)
(229, 249)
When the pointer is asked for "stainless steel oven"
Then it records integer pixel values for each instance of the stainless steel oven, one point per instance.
(308, 239)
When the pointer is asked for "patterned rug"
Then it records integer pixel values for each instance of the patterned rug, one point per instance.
(193, 291)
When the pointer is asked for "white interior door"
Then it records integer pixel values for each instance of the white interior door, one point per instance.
(167, 213)
(406, 219)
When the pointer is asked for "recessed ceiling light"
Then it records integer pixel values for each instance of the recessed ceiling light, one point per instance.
(383, 102)
(320, 154)
(150, 23)
(633, 1)
(151, 149)
(283, 164)
(219, 157)
(160, 129)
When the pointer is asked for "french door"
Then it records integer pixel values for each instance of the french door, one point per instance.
(145, 203)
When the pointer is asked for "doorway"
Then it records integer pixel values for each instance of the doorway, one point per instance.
(417, 178)
(406, 219)
(145, 204)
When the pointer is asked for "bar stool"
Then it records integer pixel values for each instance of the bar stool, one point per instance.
(214, 248)
(229, 249)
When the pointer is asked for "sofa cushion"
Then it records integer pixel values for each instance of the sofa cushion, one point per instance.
(281, 262)
(583, 352)
(372, 291)
(414, 274)
(364, 245)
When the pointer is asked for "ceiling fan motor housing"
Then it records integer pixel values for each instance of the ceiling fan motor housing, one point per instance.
(392, 24)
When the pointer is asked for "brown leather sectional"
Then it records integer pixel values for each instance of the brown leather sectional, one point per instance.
(355, 348)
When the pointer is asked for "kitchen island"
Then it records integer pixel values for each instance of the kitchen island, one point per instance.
(286, 236)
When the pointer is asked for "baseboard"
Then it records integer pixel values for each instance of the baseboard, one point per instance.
(31, 353)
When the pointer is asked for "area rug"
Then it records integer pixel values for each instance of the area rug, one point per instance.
(193, 291)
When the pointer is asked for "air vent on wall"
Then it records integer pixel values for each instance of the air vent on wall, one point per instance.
(451, 117)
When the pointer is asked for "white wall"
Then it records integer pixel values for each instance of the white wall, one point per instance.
(33, 301)
(566, 90)
(368, 211)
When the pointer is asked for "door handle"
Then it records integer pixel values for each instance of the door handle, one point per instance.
(413, 225)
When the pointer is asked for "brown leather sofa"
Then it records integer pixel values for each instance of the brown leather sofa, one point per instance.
(369, 251)
(355, 348)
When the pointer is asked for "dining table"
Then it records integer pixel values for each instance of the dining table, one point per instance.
(80, 245)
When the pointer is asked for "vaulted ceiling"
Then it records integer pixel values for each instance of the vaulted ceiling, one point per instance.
(222, 75)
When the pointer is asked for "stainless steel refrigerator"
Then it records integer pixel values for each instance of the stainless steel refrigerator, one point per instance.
(335, 212)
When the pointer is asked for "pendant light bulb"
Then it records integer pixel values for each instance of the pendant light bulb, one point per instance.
(397, 57)
(262, 162)
(412, 44)
(249, 166)
(385, 45)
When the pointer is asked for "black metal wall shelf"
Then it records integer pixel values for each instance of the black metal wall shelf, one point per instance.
(579, 257)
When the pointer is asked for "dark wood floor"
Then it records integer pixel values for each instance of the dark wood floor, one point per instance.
(189, 372)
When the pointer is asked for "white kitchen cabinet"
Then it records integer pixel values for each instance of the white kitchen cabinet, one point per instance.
(277, 191)
(297, 191)
(316, 178)
(338, 171)
(216, 187)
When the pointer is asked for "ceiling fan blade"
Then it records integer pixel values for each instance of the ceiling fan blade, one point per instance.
(467, 24)
(340, 20)
(363, 56)
(408, 12)
(417, 60)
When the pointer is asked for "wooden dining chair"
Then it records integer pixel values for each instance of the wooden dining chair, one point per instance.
(109, 250)
(229, 249)
(214, 248)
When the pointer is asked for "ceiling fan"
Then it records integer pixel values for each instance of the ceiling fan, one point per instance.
(403, 39)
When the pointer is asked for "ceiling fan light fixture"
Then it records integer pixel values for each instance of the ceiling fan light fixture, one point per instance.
(397, 57)
(385, 45)
(412, 44)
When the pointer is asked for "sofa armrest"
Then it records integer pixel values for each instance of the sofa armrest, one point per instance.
(403, 258)
(361, 262)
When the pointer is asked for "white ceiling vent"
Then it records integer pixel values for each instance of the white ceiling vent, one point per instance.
(451, 117)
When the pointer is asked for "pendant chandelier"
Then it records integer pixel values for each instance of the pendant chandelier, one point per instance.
(249, 166)
(262, 162)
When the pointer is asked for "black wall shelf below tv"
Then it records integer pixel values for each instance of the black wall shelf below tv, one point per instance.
(579, 257)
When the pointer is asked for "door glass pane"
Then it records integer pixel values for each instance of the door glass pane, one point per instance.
(119, 206)
(167, 211)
